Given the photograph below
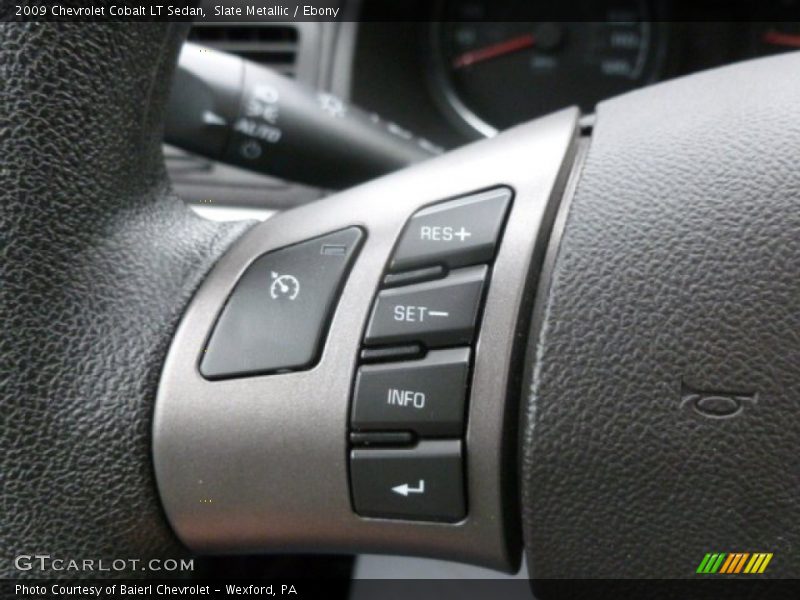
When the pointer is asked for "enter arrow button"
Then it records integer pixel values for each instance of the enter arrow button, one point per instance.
(405, 489)
(421, 483)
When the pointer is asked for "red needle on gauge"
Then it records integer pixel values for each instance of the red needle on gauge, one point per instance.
(776, 38)
(494, 50)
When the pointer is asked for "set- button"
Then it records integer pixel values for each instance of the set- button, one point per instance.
(436, 313)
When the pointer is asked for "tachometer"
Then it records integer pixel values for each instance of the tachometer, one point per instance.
(497, 65)
(771, 38)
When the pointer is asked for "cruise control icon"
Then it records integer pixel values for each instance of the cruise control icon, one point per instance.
(284, 286)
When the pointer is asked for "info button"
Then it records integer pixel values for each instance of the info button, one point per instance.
(425, 396)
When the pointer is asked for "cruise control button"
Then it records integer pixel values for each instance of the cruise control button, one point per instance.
(278, 313)
(421, 483)
(455, 233)
(425, 396)
(437, 313)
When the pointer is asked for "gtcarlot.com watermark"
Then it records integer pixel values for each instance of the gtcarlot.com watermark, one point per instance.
(45, 563)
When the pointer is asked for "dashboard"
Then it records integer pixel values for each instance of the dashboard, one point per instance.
(486, 65)
(454, 71)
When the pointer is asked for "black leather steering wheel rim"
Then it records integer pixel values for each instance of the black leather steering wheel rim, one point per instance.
(664, 366)
(99, 260)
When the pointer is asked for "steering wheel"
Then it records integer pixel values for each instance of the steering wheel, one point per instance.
(612, 307)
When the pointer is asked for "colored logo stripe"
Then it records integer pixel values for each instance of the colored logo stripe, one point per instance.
(727, 564)
(711, 563)
(758, 563)
(734, 563)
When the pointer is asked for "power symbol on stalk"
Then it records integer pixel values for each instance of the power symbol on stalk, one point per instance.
(284, 286)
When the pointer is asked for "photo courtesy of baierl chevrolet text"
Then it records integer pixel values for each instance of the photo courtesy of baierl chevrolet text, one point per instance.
(150, 589)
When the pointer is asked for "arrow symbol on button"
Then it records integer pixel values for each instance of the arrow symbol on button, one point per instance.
(405, 489)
